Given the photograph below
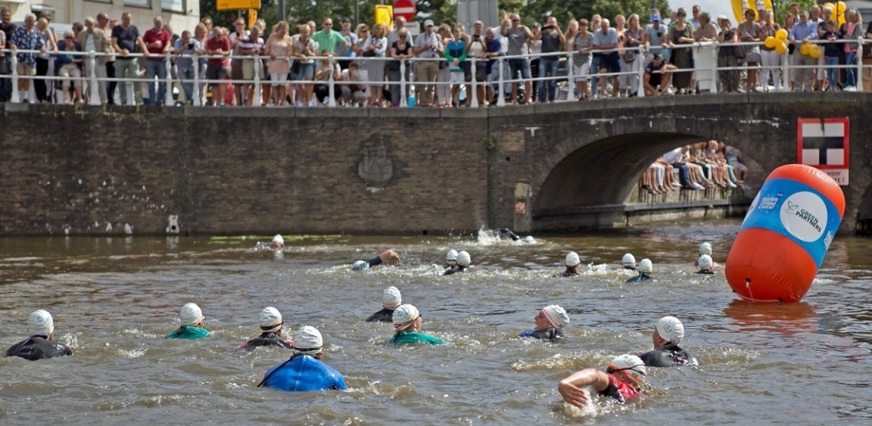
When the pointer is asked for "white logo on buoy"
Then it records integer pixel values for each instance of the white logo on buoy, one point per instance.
(804, 215)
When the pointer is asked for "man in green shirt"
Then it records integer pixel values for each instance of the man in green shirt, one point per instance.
(192, 320)
(407, 322)
(328, 39)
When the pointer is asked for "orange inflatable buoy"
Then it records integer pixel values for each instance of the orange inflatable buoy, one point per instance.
(785, 235)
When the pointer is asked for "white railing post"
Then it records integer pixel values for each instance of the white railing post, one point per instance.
(713, 47)
(640, 91)
(168, 93)
(785, 71)
(858, 79)
(331, 84)
(257, 96)
(570, 81)
(404, 100)
(472, 102)
(93, 85)
(501, 100)
(14, 79)
(196, 64)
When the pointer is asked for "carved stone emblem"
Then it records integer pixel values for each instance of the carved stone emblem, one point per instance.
(376, 168)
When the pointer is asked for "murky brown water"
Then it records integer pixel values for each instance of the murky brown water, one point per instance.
(114, 299)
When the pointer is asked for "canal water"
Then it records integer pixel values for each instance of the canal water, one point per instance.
(113, 299)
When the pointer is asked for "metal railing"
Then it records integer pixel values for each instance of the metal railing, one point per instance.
(497, 79)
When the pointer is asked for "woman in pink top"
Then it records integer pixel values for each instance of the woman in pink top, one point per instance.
(279, 49)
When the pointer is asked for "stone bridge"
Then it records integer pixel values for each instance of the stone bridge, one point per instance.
(244, 170)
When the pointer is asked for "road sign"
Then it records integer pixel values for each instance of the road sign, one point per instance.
(237, 4)
(405, 8)
(384, 15)
(252, 17)
(823, 144)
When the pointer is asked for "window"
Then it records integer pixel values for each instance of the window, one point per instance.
(138, 3)
(177, 6)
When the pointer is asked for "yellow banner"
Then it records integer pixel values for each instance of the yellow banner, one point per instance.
(384, 14)
(252, 17)
(237, 4)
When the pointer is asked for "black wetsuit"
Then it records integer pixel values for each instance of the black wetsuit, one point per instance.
(641, 277)
(384, 315)
(668, 355)
(569, 272)
(455, 270)
(267, 339)
(507, 233)
(38, 347)
(550, 334)
(705, 272)
(375, 261)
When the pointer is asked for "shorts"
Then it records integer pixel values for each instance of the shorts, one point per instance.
(519, 64)
(248, 69)
(236, 69)
(467, 70)
(278, 79)
(305, 72)
(581, 71)
(216, 72)
(481, 71)
(752, 58)
(457, 77)
(24, 69)
(611, 62)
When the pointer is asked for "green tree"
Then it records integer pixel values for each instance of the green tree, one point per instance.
(565, 10)
(782, 8)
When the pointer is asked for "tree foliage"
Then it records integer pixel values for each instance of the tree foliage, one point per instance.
(782, 8)
(566, 10)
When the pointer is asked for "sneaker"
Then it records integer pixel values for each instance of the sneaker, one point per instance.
(731, 184)
(697, 186)
(850, 89)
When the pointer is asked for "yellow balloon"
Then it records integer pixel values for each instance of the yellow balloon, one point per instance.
(769, 42)
(841, 7)
(829, 6)
(841, 20)
(804, 48)
(781, 48)
(814, 53)
(781, 35)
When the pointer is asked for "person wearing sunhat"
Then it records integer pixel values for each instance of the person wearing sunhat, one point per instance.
(40, 344)
(271, 325)
(645, 270)
(192, 320)
(622, 381)
(549, 324)
(572, 262)
(391, 298)
(407, 322)
(304, 371)
(388, 256)
(463, 260)
(668, 333)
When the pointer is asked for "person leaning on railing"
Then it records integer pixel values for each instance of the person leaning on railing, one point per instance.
(279, 48)
(218, 64)
(852, 29)
(428, 45)
(475, 50)
(352, 89)
(67, 67)
(401, 51)
(580, 45)
(8, 29)
(247, 47)
(727, 58)
(186, 47)
(126, 41)
(93, 39)
(802, 32)
(325, 67)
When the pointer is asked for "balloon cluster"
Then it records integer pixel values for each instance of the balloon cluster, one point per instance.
(779, 42)
(839, 8)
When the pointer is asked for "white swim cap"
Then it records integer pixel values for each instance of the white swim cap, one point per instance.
(705, 262)
(628, 261)
(705, 248)
(463, 258)
(307, 340)
(190, 314)
(270, 319)
(451, 257)
(556, 315)
(529, 239)
(404, 316)
(631, 365)
(670, 329)
(572, 259)
(360, 265)
(391, 298)
(278, 241)
(646, 266)
(40, 323)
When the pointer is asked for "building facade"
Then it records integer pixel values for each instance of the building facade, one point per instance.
(178, 14)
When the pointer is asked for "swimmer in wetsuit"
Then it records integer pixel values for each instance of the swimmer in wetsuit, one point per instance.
(668, 333)
(388, 256)
(622, 381)
(39, 345)
(706, 265)
(192, 320)
(304, 371)
(628, 262)
(549, 324)
(451, 259)
(572, 261)
(645, 269)
(277, 243)
(391, 298)
(408, 322)
(271, 331)
(463, 260)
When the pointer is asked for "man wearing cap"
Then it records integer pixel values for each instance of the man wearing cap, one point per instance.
(304, 371)
(407, 322)
(658, 76)
(572, 261)
(549, 324)
(391, 298)
(666, 353)
(428, 45)
(39, 345)
(622, 381)
(463, 260)
(192, 320)
(654, 37)
(351, 38)
(388, 256)
(645, 270)
(271, 331)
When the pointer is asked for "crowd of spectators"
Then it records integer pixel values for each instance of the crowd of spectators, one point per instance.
(372, 65)
(702, 166)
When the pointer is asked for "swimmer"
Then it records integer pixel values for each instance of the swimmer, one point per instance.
(645, 269)
(501, 233)
(706, 265)
(388, 256)
(622, 381)
(451, 259)
(629, 262)
(529, 239)
(666, 353)
(463, 260)
(192, 320)
(39, 345)
(304, 371)
(549, 324)
(270, 331)
(705, 249)
(391, 298)
(277, 243)
(572, 262)
(407, 322)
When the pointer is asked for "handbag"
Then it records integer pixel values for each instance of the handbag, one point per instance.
(368, 53)
(629, 56)
(739, 52)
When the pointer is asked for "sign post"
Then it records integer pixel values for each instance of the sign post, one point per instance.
(823, 143)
